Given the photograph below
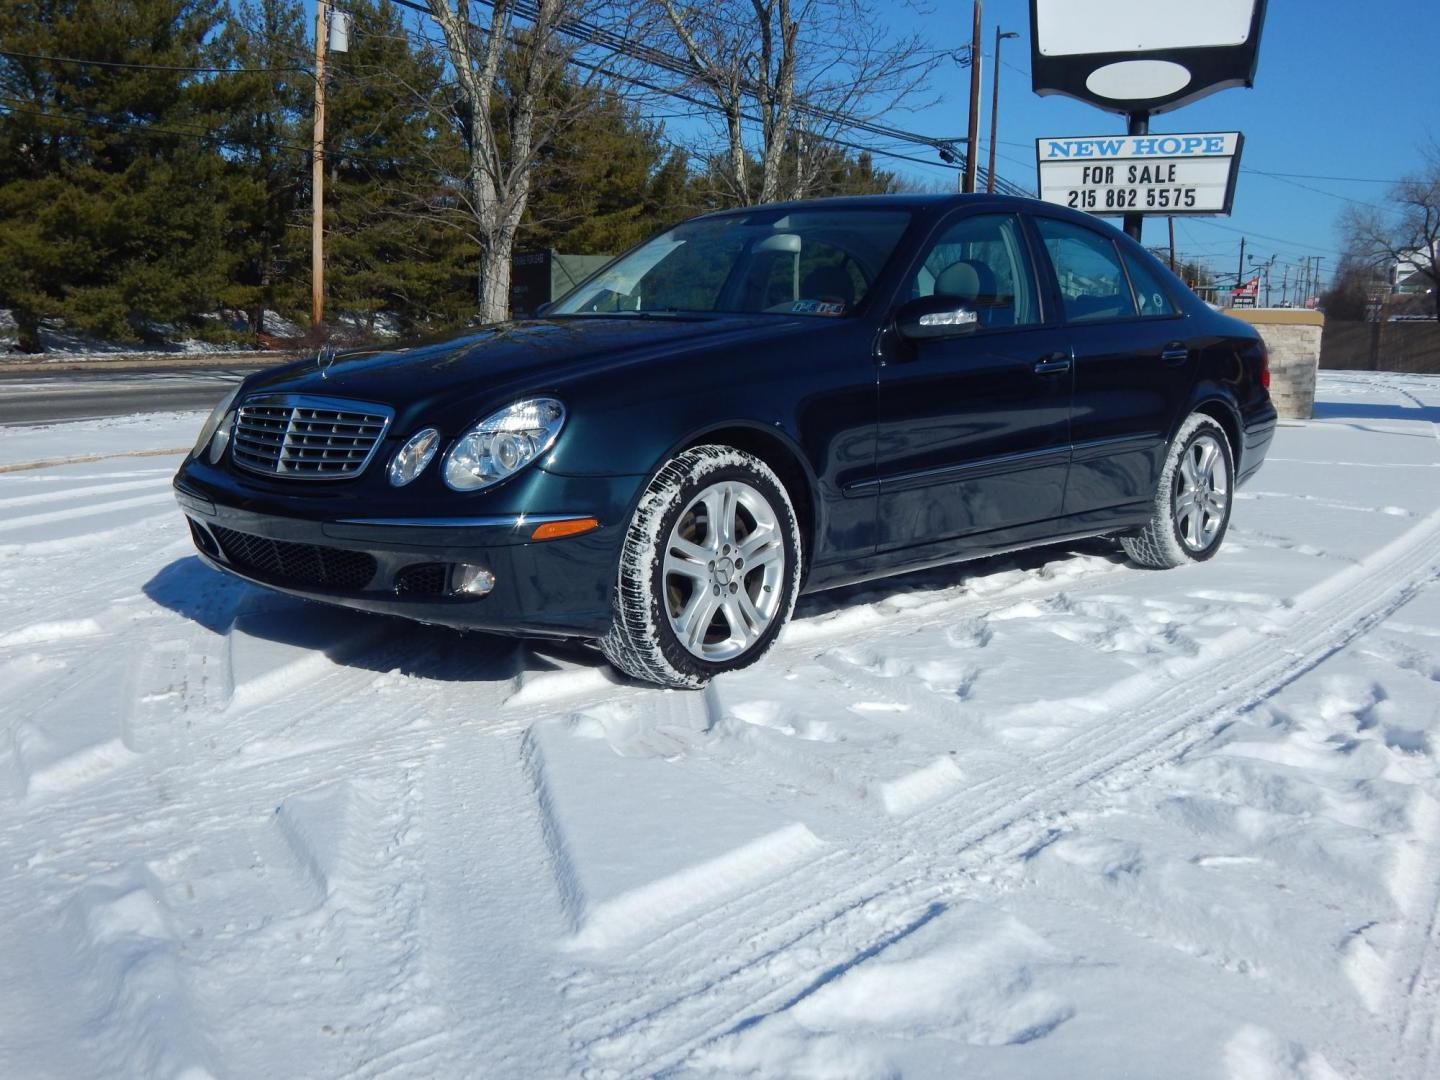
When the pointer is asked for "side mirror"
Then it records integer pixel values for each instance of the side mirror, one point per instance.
(929, 317)
(542, 309)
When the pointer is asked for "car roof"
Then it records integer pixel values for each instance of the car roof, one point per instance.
(907, 201)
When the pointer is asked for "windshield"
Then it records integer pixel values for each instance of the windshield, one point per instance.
(801, 262)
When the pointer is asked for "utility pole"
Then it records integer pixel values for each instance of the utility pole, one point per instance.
(1171, 219)
(317, 176)
(1285, 287)
(972, 147)
(995, 106)
(1262, 267)
(1240, 273)
(332, 31)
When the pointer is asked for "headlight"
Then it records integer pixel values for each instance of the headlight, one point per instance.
(212, 425)
(504, 443)
(410, 460)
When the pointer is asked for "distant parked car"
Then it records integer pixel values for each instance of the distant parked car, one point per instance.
(754, 404)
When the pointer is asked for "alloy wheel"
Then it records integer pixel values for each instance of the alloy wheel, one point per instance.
(1202, 493)
(723, 571)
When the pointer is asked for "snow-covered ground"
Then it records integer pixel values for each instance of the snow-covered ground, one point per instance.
(1048, 816)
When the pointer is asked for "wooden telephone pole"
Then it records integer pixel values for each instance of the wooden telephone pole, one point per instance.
(317, 175)
(972, 143)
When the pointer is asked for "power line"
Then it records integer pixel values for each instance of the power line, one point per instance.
(590, 34)
(1261, 236)
(1307, 187)
(154, 67)
(8, 107)
(1337, 179)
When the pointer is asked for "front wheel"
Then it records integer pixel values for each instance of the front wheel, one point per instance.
(1192, 501)
(709, 571)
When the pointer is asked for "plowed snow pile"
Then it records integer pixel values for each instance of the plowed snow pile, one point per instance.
(1047, 816)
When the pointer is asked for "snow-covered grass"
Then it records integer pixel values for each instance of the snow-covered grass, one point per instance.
(61, 342)
(1048, 816)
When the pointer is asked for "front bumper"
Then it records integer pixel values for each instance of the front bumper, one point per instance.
(552, 588)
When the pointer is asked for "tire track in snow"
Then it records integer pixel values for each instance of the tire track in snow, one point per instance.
(90, 510)
(70, 494)
(1152, 718)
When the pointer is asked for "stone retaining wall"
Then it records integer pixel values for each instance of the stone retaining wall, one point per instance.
(1293, 339)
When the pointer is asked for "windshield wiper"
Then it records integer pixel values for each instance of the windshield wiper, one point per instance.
(662, 314)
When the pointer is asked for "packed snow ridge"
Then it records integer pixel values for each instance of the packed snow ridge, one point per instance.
(1047, 816)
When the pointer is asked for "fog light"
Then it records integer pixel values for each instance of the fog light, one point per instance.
(473, 580)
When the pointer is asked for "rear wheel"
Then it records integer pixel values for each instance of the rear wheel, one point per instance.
(1191, 511)
(709, 571)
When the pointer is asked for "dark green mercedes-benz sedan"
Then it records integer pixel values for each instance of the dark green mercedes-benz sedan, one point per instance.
(754, 404)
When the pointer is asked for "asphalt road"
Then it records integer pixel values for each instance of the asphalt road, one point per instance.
(38, 398)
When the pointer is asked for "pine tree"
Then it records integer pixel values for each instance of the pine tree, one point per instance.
(391, 244)
(108, 174)
(591, 190)
(263, 110)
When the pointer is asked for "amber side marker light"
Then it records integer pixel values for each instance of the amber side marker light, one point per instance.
(554, 530)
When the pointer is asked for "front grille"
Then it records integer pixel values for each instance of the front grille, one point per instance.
(307, 437)
(286, 563)
(423, 579)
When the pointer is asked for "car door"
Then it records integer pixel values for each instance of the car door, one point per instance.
(1132, 365)
(973, 430)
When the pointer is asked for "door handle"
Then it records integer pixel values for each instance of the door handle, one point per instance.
(1175, 353)
(1054, 364)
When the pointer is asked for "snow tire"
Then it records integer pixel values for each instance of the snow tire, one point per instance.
(642, 642)
(1160, 545)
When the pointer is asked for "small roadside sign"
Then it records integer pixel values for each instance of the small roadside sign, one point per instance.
(1141, 174)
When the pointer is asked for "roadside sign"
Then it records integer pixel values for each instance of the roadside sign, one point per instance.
(1240, 299)
(1141, 174)
(1147, 56)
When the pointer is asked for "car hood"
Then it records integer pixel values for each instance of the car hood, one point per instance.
(495, 363)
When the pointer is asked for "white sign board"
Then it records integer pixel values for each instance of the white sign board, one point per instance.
(1070, 27)
(1141, 174)
(1142, 57)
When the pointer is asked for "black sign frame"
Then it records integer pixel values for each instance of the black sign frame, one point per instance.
(1211, 67)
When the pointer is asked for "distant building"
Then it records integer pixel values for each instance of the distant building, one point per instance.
(1408, 274)
(540, 277)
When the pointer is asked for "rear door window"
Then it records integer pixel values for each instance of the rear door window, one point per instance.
(1149, 296)
(1093, 285)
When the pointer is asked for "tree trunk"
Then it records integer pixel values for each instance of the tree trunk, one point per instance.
(495, 279)
(27, 326)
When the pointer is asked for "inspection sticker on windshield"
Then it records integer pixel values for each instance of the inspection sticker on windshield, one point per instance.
(817, 307)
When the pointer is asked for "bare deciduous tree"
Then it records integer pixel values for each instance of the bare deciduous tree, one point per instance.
(1407, 232)
(788, 76)
(504, 72)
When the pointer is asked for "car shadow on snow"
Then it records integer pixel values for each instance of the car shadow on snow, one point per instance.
(227, 606)
(1358, 410)
(382, 643)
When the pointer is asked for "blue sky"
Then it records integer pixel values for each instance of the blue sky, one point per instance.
(1342, 91)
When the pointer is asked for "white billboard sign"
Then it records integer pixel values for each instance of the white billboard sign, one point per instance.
(1141, 57)
(1071, 27)
(1141, 174)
